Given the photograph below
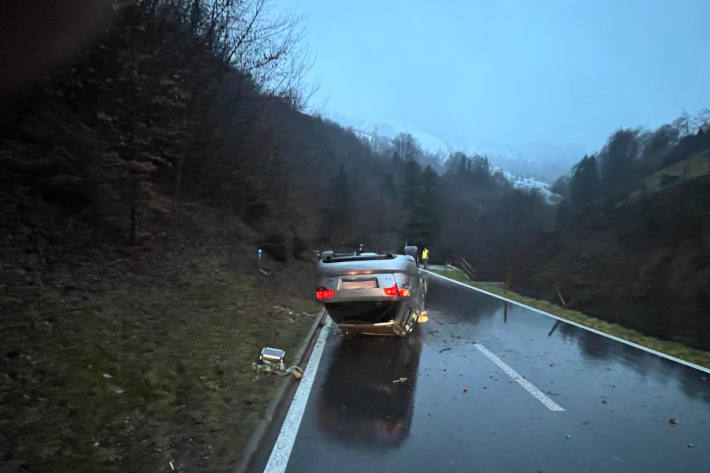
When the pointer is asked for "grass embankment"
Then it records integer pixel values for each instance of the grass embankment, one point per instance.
(129, 371)
(694, 166)
(675, 349)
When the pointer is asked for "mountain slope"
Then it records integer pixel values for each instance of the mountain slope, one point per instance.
(643, 260)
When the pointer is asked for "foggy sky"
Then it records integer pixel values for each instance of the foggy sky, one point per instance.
(561, 72)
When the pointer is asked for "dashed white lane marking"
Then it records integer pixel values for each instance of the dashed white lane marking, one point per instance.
(584, 327)
(529, 387)
(287, 436)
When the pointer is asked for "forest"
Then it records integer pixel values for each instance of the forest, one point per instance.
(179, 102)
(630, 240)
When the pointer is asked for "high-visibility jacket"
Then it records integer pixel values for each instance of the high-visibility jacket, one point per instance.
(425, 253)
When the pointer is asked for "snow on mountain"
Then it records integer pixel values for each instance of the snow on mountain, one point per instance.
(388, 128)
(533, 166)
(542, 161)
(391, 128)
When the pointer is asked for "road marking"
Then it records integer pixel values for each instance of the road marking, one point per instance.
(584, 327)
(529, 387)
(287, 436)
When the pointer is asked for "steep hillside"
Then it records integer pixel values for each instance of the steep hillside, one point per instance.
(641, 259)
(137, 180)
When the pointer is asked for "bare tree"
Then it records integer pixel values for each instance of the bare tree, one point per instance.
(253, 37)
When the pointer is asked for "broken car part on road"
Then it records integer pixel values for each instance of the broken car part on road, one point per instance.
(272, 362)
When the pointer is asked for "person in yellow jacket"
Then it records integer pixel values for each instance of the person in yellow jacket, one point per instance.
(425, 257)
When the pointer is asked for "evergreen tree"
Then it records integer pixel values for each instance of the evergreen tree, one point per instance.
(430, 206)
(422, 205)
(411, 182)
(661, 139)
(387, 192)
(411, 189)
(617, 160)
(584, 187)
(337, 211)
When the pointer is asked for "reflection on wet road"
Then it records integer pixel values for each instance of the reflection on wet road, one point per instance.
(370, 406)
(437, 402)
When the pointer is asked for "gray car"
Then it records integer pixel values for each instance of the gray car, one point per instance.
(370, 293)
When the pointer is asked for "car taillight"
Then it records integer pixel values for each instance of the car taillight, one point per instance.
(395, 291)
(323, 293)
(391, 291)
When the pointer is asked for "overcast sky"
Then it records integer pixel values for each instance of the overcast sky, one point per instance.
(512, 72)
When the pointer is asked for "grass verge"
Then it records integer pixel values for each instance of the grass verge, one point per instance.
(692, 355)
(145, 375)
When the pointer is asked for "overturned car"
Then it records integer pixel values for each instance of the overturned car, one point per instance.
(370, 293)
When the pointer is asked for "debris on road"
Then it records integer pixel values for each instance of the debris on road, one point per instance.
(271, 361)
(266, 367)
(444, 349)
(465, 389)
(691, 445)
(296, 371)
(272, 354)
(673, 421)
(568, 436)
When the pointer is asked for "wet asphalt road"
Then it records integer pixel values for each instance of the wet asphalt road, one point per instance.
(456, 410)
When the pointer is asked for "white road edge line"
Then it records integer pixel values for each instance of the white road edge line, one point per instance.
(589, 329)
(529, 387)
(278, 460)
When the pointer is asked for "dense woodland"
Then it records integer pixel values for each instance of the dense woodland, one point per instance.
(179, 102)
(156, 114)
(631, 242)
